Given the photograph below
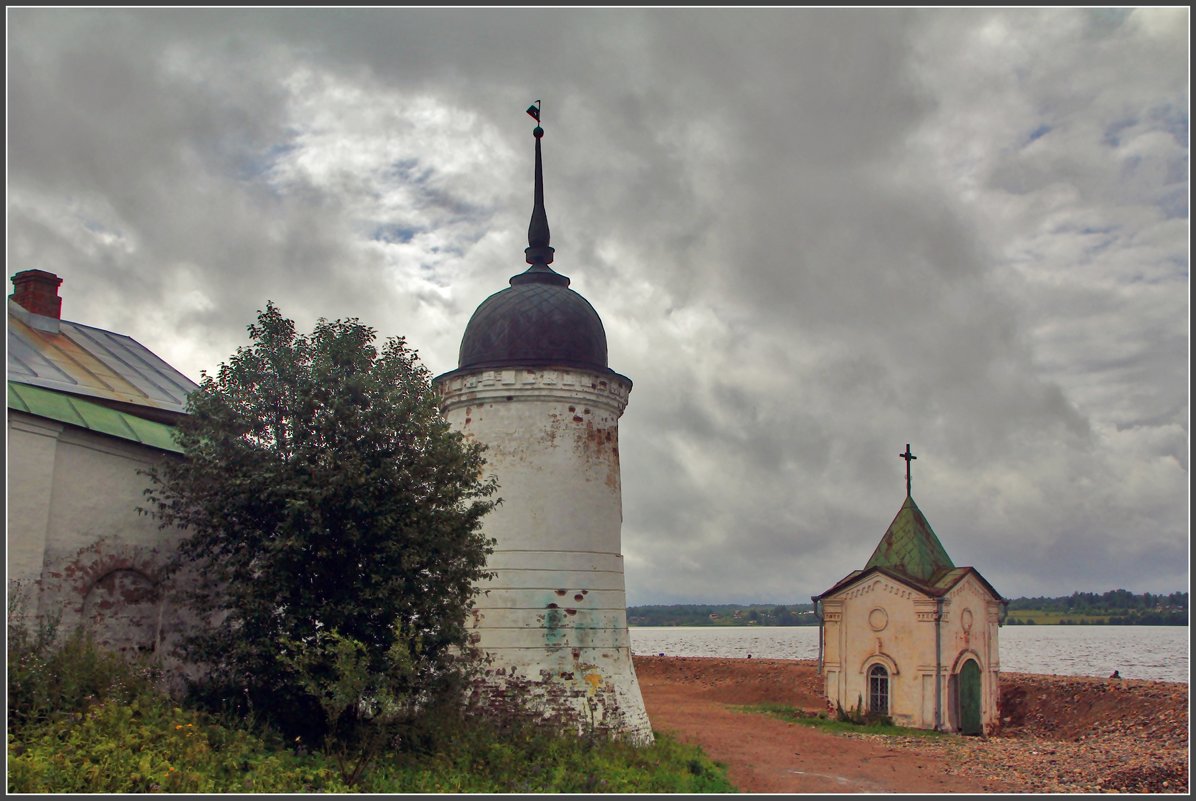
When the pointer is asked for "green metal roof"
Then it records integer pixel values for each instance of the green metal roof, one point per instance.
(910, 547)
(76, 411)
(911, 553)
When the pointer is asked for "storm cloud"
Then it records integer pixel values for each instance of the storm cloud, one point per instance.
(812, 235)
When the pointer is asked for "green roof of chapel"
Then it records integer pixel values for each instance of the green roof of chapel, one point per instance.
(910, 547)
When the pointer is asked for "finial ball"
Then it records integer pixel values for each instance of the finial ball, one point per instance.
(538, 132)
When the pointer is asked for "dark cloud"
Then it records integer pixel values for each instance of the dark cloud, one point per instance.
(812, 235)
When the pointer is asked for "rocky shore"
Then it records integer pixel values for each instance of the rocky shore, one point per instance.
(1067, 734)
(1059, 734)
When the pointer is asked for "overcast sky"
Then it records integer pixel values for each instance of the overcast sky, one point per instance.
(812, 235)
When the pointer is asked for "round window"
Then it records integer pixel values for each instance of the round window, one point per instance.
(878, 619)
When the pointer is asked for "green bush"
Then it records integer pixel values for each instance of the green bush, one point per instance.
(47, 677)
(523, 759)
(323, 493)
(88, 722)
(149, 745)
(859, 716)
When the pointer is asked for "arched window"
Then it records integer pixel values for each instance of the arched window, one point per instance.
(878, 690)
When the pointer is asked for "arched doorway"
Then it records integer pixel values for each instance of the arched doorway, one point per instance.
(878, 690)
(970, 720)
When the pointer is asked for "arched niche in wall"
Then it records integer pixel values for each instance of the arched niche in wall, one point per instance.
(121, 611)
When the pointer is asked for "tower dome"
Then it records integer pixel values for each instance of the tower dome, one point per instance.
(538, 321)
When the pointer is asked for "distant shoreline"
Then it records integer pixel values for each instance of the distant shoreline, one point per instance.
(802, 664)
(814, 625)
(1112, 608)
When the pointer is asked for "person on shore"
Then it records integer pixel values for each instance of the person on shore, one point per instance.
(1116, 674)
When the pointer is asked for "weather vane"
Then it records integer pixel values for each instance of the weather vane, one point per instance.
(908, 457)
(533, 111)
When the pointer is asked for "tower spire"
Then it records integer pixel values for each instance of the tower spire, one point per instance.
(538, 252)
(538, 235)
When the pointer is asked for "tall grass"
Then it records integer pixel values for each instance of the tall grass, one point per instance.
(85, 721)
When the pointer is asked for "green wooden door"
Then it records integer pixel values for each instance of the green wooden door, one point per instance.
(969, 698)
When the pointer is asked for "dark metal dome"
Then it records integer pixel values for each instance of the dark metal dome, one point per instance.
(537, 321)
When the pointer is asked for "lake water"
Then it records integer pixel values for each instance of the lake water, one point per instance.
(1139, 652)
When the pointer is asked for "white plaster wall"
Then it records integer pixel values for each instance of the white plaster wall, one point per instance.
(879, 620)
(32, 443)
(97, 490)
(555, 612)
(75, 539)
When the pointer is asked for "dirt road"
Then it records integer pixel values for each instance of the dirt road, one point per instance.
(694, 698)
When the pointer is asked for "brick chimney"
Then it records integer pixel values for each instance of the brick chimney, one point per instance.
(37, 291)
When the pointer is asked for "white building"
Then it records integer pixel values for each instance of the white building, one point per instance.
(87, 410)
(912, 636)
(534, 386)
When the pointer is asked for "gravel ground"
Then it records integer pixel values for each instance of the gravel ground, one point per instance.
(1066, 734)
(1059, 734)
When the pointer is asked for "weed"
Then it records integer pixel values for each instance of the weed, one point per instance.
(92, 723)
(820, 720)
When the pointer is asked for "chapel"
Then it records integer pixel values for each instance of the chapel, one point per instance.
(912, 637)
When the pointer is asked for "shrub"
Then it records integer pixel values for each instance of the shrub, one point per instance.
(48, 677)
(860, 716)
(149, 745)
(513, 754)
(89, 722)
(321, 489)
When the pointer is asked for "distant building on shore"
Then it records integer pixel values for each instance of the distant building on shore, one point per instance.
(912, 636)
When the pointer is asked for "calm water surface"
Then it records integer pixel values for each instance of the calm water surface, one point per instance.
(1139, 652)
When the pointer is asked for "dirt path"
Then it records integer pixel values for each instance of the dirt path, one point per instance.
(1059, 734)
(694, 699)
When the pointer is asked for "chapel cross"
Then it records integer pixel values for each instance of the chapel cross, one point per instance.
(908, 457)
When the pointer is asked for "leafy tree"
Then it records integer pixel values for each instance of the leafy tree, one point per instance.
(326, 505)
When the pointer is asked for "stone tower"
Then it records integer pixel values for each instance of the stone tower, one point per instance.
(533, 385)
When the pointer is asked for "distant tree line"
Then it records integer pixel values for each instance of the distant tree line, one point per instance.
(1103, 603)
(722, 615)
(1116, 607)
